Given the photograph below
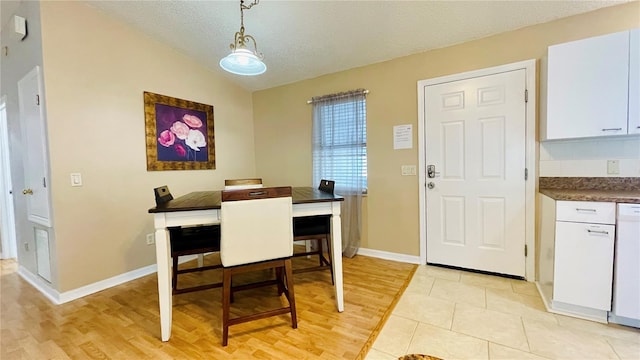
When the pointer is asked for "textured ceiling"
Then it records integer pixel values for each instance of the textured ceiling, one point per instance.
(305, 39)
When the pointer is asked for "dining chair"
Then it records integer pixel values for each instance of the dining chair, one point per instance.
(256, 234)
(239, 184)
(191, 240)
(315, 229)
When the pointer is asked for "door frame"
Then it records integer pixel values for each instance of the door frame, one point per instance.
(7, 217)
(530, 152)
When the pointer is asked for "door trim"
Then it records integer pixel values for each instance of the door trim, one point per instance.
(7, 217)
(530, 152)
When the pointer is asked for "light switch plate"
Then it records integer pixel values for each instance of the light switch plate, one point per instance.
(408, 170)
(613, 167)
(76, 179)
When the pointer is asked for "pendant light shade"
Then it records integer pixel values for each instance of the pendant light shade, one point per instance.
(243, 61)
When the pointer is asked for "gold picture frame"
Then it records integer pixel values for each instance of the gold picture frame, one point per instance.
(179, 134)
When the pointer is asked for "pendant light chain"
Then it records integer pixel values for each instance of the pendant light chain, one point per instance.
(243, 60)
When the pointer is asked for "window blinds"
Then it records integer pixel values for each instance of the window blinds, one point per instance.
(339, 141)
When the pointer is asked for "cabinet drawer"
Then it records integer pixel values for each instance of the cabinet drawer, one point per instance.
(586, 212)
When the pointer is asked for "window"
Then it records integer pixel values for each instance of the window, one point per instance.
(340, 141)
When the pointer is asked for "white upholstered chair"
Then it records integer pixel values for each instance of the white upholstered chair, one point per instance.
(256, 234)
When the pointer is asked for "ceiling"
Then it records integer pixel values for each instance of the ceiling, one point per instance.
(304, 39)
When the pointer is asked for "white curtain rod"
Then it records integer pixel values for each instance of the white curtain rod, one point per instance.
(364, 92)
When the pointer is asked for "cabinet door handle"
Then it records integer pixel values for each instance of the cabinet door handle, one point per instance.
(612, 129)
(598, 232)
(590, 210)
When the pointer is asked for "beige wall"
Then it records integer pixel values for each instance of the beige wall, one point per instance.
(96, 70)
(283, 119)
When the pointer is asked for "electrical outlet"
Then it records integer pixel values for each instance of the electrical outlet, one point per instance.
(613, 167)
(150, 239)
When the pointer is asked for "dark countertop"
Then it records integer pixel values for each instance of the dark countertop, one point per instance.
(618, 196)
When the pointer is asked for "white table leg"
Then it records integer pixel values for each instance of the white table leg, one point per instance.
(336, 248)
(163, 258)
(200, 260)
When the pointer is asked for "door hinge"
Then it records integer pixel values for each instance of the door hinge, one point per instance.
(526, 95)
(37, 99)
(525, 250)
(44, 182)
(526, 174)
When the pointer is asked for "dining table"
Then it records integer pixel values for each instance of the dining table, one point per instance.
(203, 207)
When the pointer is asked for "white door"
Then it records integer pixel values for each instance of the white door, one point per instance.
(7, 216)
(35, 157)
(475, 201)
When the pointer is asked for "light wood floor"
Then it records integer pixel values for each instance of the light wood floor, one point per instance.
(123, 322)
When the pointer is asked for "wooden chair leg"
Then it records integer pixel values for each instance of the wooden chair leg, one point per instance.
(174, 274)
(328, 240)
(291, 295)
(319, 250)
(226, 299)
(280, 280)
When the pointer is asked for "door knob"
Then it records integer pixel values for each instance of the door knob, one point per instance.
(27, 192)
(431, 185)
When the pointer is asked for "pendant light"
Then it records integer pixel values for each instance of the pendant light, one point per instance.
(242, 60)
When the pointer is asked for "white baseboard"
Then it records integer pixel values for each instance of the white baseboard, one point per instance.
(61, 298)
(411, 259)
(547, 306)
(40, 284)
(106, 283)
(581, 312)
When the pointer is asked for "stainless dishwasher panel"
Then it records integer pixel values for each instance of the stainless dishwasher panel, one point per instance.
(626, 286)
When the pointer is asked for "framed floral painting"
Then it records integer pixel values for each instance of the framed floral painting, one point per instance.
(179, 134)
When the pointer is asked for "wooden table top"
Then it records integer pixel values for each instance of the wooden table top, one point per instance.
(207, 200)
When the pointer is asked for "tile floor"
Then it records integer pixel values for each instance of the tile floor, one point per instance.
(456, 314)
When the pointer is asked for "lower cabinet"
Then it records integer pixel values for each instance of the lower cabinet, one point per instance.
(583, 261)
(584, 264)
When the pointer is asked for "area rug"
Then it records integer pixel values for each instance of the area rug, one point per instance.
(418, 357)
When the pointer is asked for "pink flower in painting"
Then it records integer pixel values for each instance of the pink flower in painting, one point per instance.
(196, 140)
(180, 150)
(167, 138)
(180, 129)
(192, 120)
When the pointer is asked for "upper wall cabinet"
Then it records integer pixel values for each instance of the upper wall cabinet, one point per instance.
(592, 87)
(634, 82)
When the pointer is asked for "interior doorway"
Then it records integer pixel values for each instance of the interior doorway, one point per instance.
(7, 217)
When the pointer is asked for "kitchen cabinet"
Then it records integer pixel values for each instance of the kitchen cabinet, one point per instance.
(546, 240)
(588, 87)
(583, 260)
(626, 286)
(634, 82)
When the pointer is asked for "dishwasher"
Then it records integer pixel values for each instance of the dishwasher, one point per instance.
(626, 285)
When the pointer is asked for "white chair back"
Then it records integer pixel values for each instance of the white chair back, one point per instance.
(256, 225)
